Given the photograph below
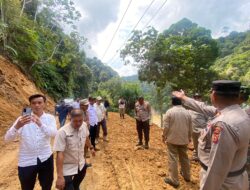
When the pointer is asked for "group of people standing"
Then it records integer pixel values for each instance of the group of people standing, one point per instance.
(71, 142)
(220, 136)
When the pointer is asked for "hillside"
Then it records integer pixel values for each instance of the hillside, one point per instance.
(235, 57)
(132, 78)
(15, 88)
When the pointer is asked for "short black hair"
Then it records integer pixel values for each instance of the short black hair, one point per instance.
(176, 101)
(76, 113)
(34, 96)
(227, 96)
(141, 98)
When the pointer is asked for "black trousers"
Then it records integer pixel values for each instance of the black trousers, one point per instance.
(143, 128)
(92, 134)
(44, 170)
(73, 182)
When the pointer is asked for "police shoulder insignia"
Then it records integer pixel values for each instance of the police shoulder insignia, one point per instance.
(216, 133)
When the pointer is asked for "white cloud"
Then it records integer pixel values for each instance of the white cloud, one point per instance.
(101, 18)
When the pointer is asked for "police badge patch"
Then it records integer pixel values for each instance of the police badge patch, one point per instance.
(216, 134)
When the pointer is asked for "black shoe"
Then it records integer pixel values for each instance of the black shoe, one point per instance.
(187, 180)
(195, 159)
(139, 144)
(146, 146)
(169, 181)
(88, 165)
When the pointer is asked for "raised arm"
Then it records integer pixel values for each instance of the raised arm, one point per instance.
(16, 128)
(200, 107)
(49, 128)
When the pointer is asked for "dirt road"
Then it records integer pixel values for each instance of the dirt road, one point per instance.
(118, 166)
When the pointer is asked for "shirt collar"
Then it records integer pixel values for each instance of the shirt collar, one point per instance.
(72, 129)
(40, 116)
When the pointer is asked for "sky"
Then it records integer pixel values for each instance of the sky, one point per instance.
(100, 19)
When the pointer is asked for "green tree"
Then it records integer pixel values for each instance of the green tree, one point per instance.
(180, 56)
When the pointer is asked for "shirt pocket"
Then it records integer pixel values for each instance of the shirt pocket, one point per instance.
(70, 142)
(83, 140)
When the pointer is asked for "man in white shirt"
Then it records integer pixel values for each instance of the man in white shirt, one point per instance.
(76, 104)
(69, 145)
(101, 114)
(35, 155)
(93, 121)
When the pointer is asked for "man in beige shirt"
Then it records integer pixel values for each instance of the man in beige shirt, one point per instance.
(69, 145)
(142, 116)
(199, 122)
(177, 134)
(223, 145)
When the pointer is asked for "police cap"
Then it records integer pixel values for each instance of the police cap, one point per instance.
(226, 87)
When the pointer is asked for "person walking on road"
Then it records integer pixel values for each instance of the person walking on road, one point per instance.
(101, 115)
(63, 110)
(35, 129)
(107, 106)
(93, 121)
(223, 145)
(177, 134)
(69, 146)
(142, 116)
(122, 107)
(199, 122)
(84, 104)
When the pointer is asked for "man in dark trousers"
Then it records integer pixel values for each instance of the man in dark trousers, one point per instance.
(142, 116)
(93, 121)
(35, 130)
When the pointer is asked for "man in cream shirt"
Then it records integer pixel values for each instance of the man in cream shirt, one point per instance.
(69, 145)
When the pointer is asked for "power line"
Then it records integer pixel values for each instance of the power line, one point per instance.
(156, 13)
(146, 10)
(117, 29)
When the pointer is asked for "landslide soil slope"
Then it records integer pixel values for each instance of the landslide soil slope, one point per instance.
(15, 88)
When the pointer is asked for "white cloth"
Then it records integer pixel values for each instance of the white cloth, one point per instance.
(100, 110)
(122, 106)
(93, 120)
(76, 105)
(35, 140)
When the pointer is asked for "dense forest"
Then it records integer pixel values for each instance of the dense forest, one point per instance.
(42, 39)
(33, 37)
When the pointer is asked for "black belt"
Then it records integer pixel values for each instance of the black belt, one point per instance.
(230, 174)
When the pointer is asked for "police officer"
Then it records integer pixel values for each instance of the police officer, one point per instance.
(199, 122)
(223, 145)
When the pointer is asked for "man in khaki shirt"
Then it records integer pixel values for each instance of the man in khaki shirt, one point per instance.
(199, 122)
(69, 145)
(223, 145)
(177, 134)
(142, 116)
